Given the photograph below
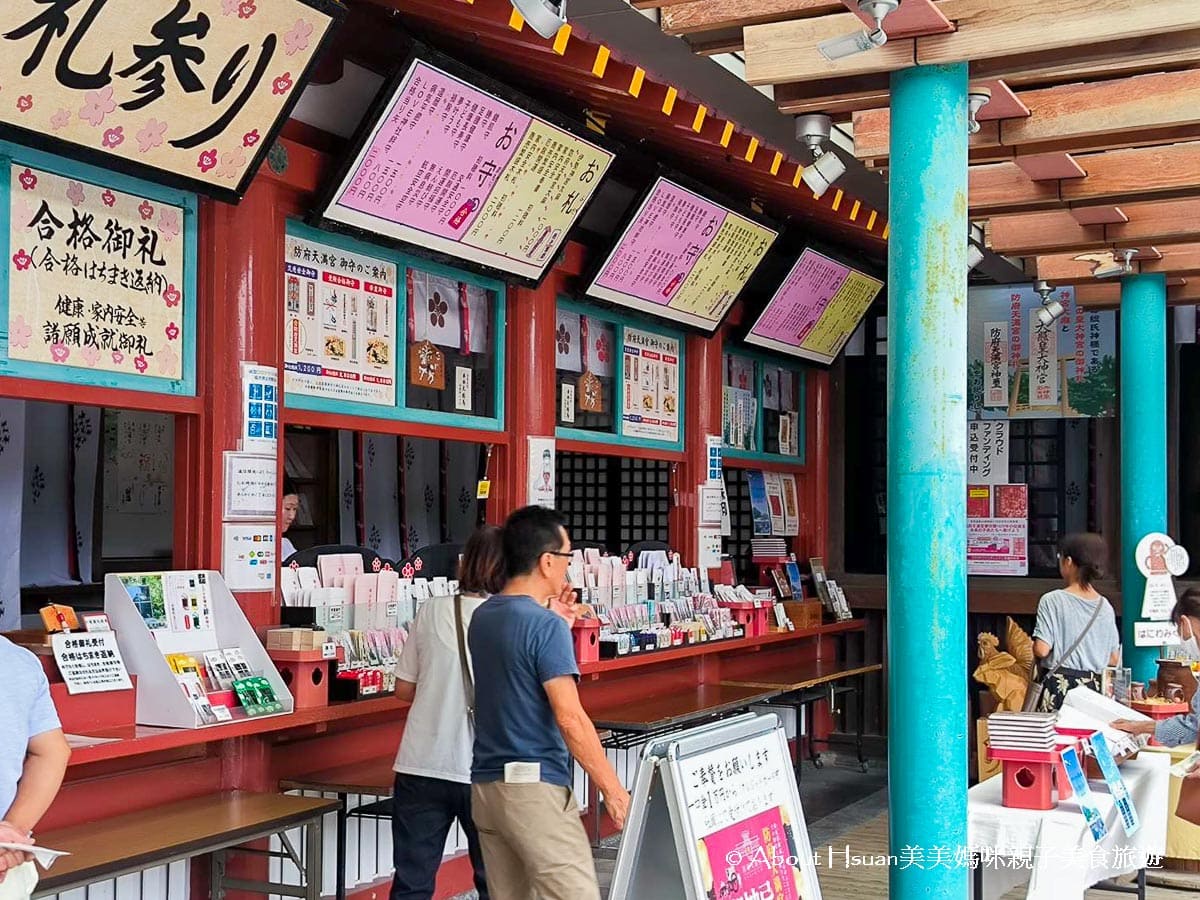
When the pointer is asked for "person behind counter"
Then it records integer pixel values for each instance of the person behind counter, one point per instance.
(1183, 728)
(291, 506)
(433, 766)
(1073, 637)
(33, 760)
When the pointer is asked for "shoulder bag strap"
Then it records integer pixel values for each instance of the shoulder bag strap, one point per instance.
(1079, 640)
(468, 682)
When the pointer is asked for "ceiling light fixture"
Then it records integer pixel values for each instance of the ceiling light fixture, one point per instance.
(827, 167)
(974, 255)
(1109, 263)
(860, 41)
(543, 16)
(1051, 309)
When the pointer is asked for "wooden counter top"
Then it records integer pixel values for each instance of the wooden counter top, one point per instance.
(675, 707)
(799, 675)
(373, 777)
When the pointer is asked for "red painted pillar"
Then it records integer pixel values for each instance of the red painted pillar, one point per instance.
(702, 416)
(241, 258)
(531, 404)
(814, 528)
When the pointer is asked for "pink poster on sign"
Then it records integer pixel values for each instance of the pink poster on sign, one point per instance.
(752, 859)
(800, 301)
(662, 245)
(437, 155)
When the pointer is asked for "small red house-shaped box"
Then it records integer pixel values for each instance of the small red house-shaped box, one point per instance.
(586, 635)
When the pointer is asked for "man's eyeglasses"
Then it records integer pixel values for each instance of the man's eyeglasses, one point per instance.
(563, 553)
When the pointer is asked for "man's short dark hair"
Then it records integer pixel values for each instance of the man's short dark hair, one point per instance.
(528, 533)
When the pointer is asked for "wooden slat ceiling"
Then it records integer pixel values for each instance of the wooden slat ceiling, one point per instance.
(1097, 148)
(636, 108)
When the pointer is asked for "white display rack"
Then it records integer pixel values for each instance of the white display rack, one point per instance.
(160, 697)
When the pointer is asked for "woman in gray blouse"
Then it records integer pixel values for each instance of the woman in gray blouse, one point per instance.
(1183, 728)
(1064, 614)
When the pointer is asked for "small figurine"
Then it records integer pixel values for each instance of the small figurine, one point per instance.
(1006, 674)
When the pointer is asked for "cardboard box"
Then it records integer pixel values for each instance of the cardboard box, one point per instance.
(803, 613)
(295, 639)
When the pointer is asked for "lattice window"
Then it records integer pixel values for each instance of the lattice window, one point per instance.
(741, 519)
(1036, 459)
(613, 501)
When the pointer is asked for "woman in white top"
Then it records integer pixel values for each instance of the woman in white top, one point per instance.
(433, 766)
(1063, 616)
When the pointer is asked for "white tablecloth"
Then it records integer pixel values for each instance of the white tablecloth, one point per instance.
(1053, 849)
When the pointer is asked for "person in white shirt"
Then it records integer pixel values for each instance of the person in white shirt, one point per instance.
(291, 506)
(33, 760)
(433, 766)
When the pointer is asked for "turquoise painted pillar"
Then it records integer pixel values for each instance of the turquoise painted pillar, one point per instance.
(1143, 365)
(927, 482)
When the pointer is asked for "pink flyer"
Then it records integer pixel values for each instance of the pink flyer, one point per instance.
(750, 860)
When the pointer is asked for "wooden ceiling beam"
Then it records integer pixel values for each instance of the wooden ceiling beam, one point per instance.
(1170, 170)
(698, 16)
(997, 188)
(1157, 223)
(1138, 111)
(787, 51)
(1063, 268)
(1106, 295)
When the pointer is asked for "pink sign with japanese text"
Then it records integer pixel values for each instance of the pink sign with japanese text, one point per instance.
(452, 168)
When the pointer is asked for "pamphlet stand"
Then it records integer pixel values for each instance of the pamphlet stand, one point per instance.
(160, 698)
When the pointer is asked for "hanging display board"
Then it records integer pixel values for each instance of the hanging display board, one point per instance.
(1018, 368)
(714, 812)
(339, 324)
(97, 282)
(451, 167)
(817, 308)
(190, 93)
(651, 367)
(987, 452)
(682, 257)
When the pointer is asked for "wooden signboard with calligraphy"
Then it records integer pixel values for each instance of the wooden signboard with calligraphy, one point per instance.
(99, 280)
(427, 366)
(190, 93)
(591, 394)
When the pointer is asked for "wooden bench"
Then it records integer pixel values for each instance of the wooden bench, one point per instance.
(374, 778)
(217, 824)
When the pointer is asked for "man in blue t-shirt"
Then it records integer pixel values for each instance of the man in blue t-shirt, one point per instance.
(33, 760)
(529, 723)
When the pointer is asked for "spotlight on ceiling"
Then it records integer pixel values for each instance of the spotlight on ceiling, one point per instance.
(1051, 309)
(974, 255)
(977, 98)
(543, 16)
(1109, 263)
(827, 167)
(861, 41)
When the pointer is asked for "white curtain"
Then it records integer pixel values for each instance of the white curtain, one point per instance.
(381, 492)
(12, 492)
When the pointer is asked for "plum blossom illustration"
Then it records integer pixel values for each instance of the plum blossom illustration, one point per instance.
(418, 564)
(151, 135)
(60, 119)
(19, 333)
(230, 7)
(59, 352)
(140, 363)
(113, 137)
(296, 39)
(232, 162)
(90, 355)
(250, 138)
(602, 348)
(246, 9)
(207, 160)
(437, 310)
(28, 180)
(171, 331)
(407, 570)
(168, 223)
(75, 193)
(563, 339)
(118, 357)
(109, 198)
(168, 359)
(172, 296)
(282, 84)
(22, 260)
(25, 103)
(146, 210)
(97, 105)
